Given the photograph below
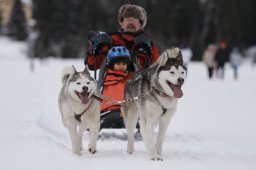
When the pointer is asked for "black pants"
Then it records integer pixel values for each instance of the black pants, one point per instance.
(220, 70)
(210, 72)
(112, 119)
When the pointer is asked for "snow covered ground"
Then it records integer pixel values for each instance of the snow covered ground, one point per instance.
(214, 126)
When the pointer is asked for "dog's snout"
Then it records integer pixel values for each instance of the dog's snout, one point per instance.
(85, 88)
(181, 80)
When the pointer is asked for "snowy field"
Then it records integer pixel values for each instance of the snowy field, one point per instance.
(214, 127)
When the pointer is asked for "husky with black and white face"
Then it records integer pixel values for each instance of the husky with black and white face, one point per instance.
(157, 89)
(78, 109)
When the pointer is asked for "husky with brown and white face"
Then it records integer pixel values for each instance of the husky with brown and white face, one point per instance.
(155, 92)
(78, 109)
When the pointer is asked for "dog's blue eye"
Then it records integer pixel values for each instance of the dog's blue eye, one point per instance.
(78, 83)
(182, 72)
(172, 72)
(88, 82)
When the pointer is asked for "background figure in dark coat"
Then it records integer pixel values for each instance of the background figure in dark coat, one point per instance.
(221, 57)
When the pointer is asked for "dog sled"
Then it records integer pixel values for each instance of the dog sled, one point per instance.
(112, 117)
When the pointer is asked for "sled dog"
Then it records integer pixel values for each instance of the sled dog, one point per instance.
(78, 109)
(155, 92)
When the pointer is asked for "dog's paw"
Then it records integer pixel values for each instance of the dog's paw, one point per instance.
(130, 150)
(157, 158)
(91, 150)
(82, 148)
(78, 153)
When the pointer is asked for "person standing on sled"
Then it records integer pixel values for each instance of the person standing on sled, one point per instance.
(132, 20)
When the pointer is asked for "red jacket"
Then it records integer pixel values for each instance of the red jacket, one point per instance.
(113, 88)
(127, 40)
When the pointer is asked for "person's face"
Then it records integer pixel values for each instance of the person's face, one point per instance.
(223, 45)
(120, 66)
(131, 24)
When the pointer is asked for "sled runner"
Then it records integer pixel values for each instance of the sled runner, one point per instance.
(100, 46)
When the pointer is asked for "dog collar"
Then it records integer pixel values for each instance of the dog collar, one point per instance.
(160, 93)
(78, 116)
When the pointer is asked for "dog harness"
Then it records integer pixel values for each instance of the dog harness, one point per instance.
(113, 101)
(78, 116)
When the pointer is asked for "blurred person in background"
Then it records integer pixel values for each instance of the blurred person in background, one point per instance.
(209, 59)
(186, 52)
(254, 60)
(221, 57)
(235, 60)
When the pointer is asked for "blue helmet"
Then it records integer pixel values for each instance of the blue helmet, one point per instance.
(118, 52)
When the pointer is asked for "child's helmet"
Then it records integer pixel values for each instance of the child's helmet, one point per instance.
(118, 52)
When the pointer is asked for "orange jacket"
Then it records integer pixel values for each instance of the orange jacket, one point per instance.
(113, 88)
(127, 40)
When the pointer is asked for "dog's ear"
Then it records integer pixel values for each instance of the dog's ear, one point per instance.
(173, 52)
(86, 69)
(67, 72)
(65, 78)
(179, 57)
(162, 59)
(74, 69)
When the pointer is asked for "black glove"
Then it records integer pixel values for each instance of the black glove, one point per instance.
(143, 40)
(143, 44)
(97, 40)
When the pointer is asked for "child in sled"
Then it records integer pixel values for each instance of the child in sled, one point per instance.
(117, 73)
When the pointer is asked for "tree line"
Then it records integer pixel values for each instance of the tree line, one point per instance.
(63, 25)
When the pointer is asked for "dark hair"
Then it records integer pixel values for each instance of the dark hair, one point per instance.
(117, 60)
